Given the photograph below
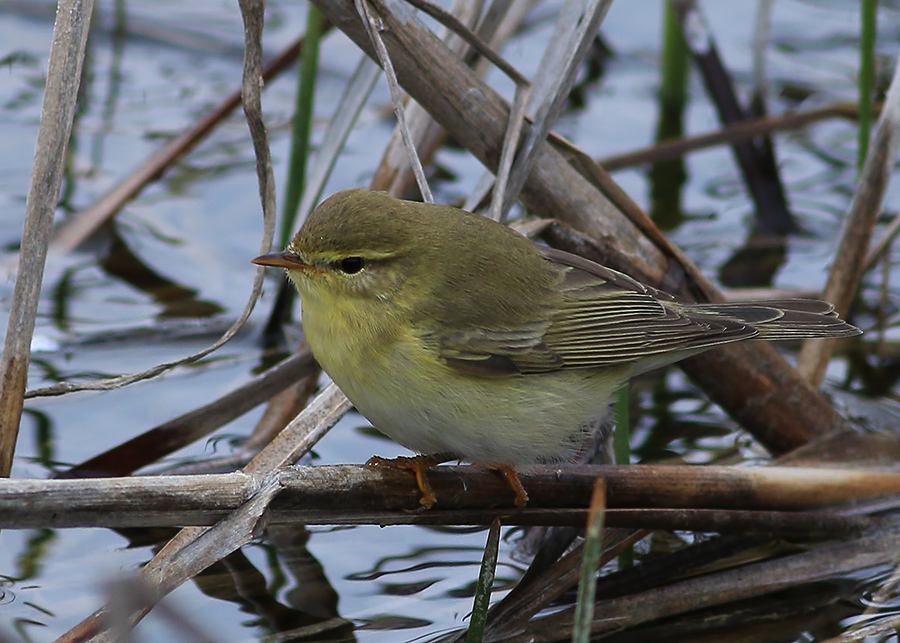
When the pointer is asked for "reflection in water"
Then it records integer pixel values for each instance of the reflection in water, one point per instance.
(416, 572)
(667, 178)
(290, 599)
(756, 263)
(44, 439)
(31, 560)
(119, 38)
(177, 300)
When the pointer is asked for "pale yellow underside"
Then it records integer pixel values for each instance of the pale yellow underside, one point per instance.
(428, 407)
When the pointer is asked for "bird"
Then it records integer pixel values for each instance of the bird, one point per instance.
(461, 339)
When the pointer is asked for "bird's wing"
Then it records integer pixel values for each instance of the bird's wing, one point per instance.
(607, 317)
(501, 352)
(600, 317)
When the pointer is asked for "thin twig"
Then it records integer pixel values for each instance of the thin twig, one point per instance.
(496, 27)
(453, 24)
(748, 129)
(510, 143)
(160, 441)
(393, 172)
(372, 28)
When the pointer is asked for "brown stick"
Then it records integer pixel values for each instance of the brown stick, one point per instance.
(748, 581)
(356, 494)
(73, 20)
(850, 260)
(678, 147)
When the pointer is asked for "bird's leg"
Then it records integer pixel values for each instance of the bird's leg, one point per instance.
(512, 477)
(417, 464)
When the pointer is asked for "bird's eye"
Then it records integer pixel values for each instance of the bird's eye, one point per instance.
(351, 265)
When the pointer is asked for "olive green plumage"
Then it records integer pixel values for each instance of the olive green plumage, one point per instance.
(453, 333)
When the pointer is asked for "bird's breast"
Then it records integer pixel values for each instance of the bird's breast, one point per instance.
(346, 335)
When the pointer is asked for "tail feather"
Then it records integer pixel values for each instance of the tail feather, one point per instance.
(781, 318)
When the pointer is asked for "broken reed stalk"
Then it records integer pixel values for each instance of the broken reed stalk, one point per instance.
(355, 494)
(394, 174)
(536, 591)
(749, 581)
(70, 33)
(850, 259)
(193, 548)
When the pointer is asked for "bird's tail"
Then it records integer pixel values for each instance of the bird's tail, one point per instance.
(782, 319)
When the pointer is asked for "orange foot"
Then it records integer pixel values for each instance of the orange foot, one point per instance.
(417, 464)
(513, 478)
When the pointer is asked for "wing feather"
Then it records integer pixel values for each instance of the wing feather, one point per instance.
(599, 317)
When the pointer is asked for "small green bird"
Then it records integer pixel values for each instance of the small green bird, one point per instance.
(461, 339)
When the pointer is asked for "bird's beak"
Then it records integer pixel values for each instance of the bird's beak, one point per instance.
(284, 259)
